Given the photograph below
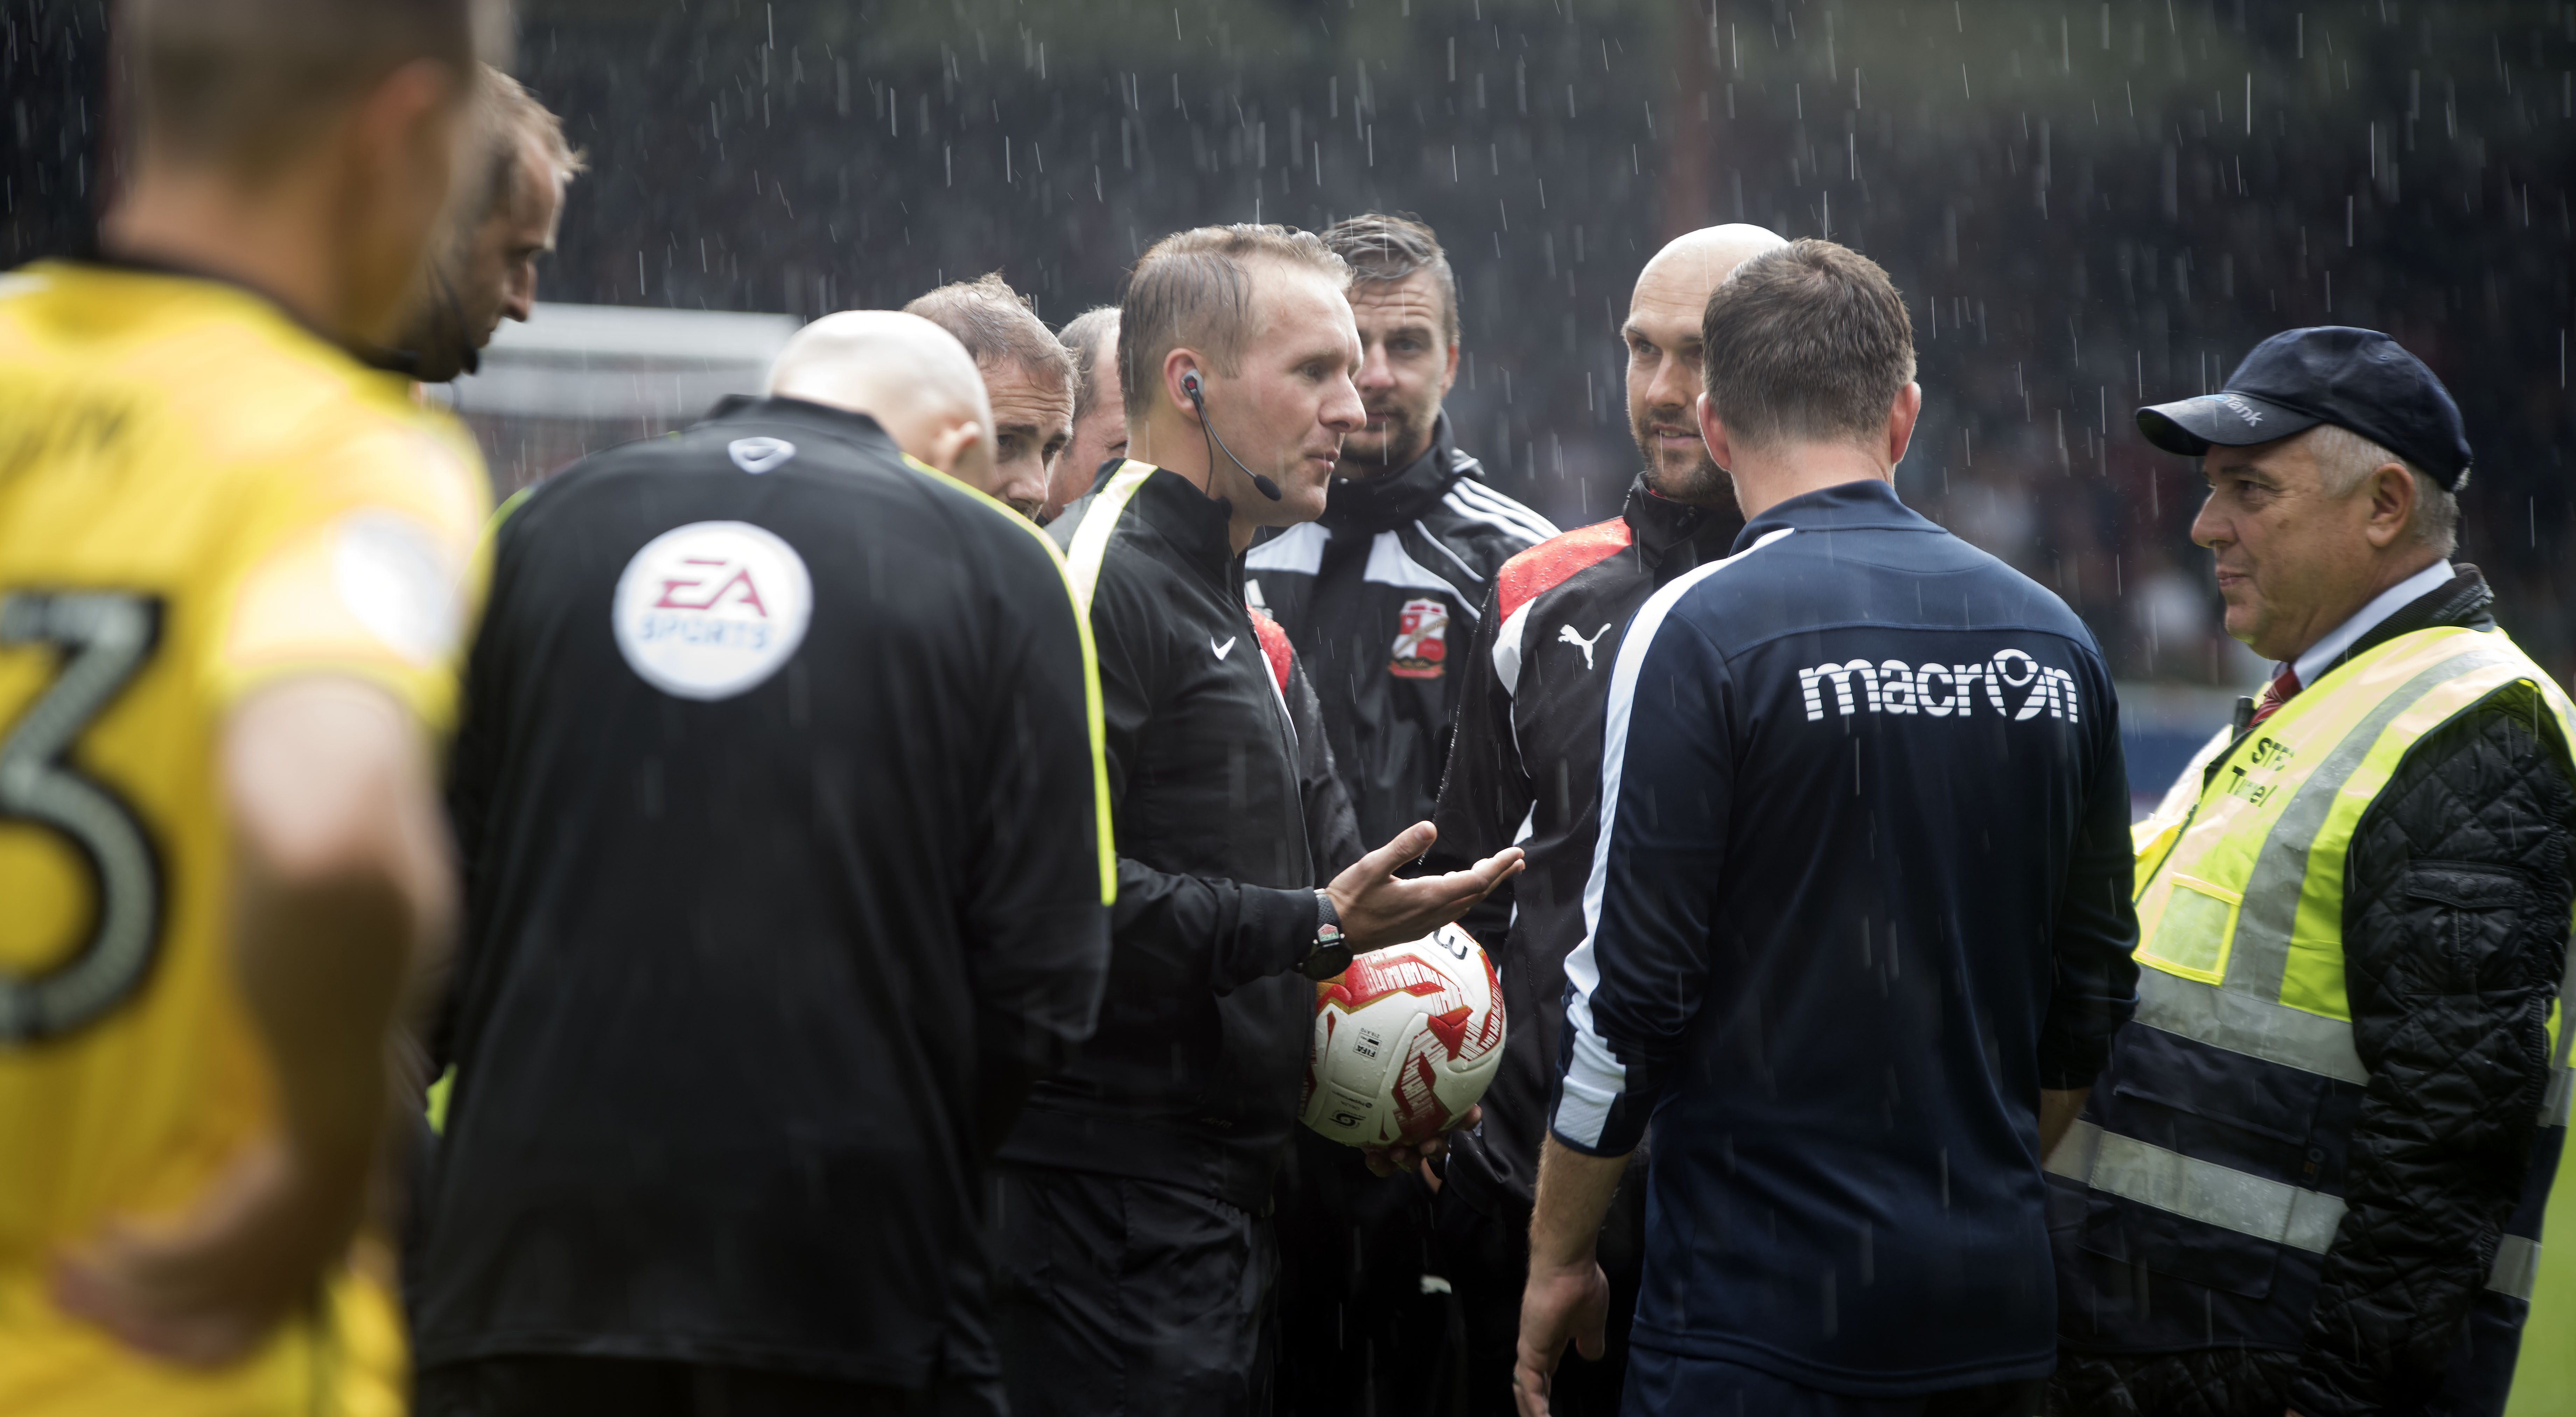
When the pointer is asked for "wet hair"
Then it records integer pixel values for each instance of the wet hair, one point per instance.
(1195, 288)
(995, 324)
(2344, 458)
(509, 119)
(1086, 337)
(242, 84)
(1381, 249)
(1805, 343)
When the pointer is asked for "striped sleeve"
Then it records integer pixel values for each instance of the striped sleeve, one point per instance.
(1634, 984)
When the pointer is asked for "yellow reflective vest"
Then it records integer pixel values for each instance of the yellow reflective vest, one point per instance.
(2215, 1146)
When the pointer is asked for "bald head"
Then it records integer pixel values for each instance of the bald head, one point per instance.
(1692, 264)
(1663, 337)
(911, 376)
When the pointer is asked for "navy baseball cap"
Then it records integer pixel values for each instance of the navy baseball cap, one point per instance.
(2360, 380)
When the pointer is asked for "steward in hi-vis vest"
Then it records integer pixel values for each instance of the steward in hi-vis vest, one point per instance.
(2314, 1172)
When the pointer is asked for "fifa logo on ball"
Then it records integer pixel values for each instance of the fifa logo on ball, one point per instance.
(1406, 1040)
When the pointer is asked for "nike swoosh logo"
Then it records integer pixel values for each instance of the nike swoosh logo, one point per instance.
(1221, 649)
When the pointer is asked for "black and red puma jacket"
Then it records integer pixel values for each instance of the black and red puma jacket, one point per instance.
(1380, 597)
(1525, 769)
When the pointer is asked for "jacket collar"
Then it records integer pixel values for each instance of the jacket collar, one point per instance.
(1197, 525)
(836, 423)
(1657, 523)
(1367, 506)
(1866, 505)
(2464, 601)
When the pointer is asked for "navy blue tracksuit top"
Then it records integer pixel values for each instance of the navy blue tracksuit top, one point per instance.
(1861, 890)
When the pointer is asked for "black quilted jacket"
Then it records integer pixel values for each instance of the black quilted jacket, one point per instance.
(2455, 932)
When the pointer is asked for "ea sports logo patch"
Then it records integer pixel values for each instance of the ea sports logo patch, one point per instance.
(711, 609)
(759, 455)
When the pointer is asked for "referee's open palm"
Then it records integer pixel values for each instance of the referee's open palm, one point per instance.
(1377, 909)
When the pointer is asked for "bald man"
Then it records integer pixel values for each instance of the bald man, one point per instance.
(786, 875)
(1525, 765)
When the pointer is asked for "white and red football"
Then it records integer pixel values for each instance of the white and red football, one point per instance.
(1406, 1040)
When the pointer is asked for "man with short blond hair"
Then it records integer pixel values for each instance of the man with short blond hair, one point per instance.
(483, 268)
(2314, 1179)
(1856, 930)
(1135, 1249)
(1027, 375)
(236, 570)
(1380, 596)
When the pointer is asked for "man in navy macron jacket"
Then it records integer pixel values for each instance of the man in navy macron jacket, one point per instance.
(1858, 924)
(1526, 770)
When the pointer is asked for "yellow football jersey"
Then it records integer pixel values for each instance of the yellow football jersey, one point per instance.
(197, 495)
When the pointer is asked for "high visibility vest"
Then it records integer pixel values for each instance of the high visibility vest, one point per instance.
(2209, 1169)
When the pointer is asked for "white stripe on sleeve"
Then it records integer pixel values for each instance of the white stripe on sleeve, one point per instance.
(1595, 1077)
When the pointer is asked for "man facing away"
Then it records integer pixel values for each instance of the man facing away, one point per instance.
(2314, 1178)
(483, 268)
(1099, 410)
(1857, 929)
(234, 564)
(1525, 769)
(786, 864)
(1136, 1254)
(1027, 377)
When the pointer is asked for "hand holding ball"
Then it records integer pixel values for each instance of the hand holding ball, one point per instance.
(1406, 1041)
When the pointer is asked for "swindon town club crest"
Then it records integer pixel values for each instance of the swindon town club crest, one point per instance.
(1421, 640)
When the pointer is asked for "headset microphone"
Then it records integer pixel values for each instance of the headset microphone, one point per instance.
(1260, 484)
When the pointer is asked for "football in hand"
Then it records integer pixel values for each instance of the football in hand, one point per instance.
(1405, 1041)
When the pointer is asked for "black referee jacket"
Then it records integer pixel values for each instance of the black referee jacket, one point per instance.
(1192, 1077)
(780, 812)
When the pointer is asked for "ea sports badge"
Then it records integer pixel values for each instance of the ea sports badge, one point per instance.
(1421, 640)
(710, 610)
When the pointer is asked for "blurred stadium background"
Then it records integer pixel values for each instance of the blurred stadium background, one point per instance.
(2087, 204)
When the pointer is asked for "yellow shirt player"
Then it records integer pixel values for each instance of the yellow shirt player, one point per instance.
(171, 539)
(236, 565)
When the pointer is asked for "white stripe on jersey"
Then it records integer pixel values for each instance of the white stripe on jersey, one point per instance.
(1595, 1077)
(1481, 503)
(1390, 564)
(1299, 549)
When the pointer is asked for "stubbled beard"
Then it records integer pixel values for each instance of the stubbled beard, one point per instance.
(1705, 484)
(1403, 432)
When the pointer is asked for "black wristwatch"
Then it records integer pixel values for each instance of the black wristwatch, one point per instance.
(1330, 954)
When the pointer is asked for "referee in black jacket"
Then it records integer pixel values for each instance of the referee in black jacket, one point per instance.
(779, 797)
(1136, 1253)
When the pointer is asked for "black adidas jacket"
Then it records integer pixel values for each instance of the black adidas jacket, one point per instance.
(1526, 768)
(1192, 1076)
(1380, 597)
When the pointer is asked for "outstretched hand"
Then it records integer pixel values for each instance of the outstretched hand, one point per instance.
(1378, 909)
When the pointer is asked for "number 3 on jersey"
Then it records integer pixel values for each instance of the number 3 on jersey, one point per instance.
(102, 638)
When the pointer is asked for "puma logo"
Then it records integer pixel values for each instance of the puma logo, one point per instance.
(1222, 649)
(1565, 635)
